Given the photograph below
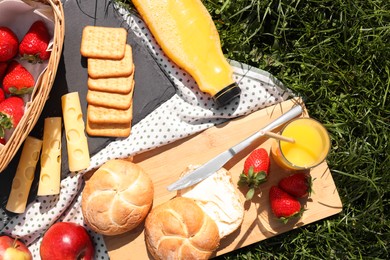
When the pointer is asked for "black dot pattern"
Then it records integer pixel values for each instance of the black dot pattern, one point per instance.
(188, 112)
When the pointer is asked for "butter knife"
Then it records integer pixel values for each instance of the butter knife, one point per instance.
(220, 160)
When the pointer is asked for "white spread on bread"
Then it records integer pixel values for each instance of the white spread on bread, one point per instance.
(217, 196)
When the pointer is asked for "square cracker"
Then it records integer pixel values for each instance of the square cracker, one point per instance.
(104, 115)
(103, 42)
(122, 85)
(110, 100)
(108, 130)
(107, 68)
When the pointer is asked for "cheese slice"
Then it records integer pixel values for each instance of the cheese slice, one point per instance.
(24, 175)
(77, 144)
(50, 175)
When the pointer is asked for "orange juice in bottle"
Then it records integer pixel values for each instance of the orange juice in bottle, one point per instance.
(187, 34)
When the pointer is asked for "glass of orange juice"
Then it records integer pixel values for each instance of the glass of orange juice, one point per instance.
(310, 147)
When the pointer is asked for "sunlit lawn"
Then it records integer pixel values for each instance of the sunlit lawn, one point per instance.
(336, 55)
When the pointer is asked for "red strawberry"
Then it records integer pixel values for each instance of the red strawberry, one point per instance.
(3, 69)
(8, 44)
(11, 111)
(18, 80)
(2, 95)
(256, 167)
(283, 205)
(297, 184)
(2, 141)
(34, 44)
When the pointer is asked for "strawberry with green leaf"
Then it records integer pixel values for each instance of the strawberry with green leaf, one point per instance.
(11, 112)
(283, 205)
(297, 184)
(18, 80)
(255, 172)
(33, 46)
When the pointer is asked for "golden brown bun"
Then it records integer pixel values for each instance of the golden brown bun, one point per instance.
(117, 197)
(179, 229)
(226, 210)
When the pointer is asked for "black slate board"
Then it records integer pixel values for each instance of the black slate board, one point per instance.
(152, 87)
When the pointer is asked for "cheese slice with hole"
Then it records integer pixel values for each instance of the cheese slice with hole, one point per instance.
(24, 175)
(50, 175)
(76, 140)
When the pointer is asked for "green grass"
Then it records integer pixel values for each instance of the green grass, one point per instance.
(335, 54)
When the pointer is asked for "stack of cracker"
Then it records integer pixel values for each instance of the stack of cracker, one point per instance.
(110, 81)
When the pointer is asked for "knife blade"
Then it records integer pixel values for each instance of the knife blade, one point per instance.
(220, 160)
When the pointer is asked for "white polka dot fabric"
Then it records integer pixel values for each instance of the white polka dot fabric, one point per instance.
(188, 112)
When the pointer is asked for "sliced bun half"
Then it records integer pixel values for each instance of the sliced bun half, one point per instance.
(180, 229)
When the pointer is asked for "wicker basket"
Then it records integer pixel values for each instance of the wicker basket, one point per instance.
(41, 91)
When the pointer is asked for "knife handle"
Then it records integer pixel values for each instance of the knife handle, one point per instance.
(292, 113)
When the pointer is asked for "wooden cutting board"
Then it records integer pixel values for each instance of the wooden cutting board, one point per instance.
(166, 163)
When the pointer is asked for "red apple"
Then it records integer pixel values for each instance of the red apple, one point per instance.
(11, 248)
(66, 240)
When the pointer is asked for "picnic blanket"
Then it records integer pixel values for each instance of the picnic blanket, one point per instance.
(187, 112)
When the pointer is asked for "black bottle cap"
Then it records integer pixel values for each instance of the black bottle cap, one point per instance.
(227, 94)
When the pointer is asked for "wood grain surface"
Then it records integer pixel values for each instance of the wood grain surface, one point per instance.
(165, 165)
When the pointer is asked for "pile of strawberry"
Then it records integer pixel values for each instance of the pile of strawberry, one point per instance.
(284, 197)
(15, 79)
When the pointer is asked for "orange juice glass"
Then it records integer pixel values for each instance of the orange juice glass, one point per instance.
(311, 146)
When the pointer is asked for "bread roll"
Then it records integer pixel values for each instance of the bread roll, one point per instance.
(117, 197)
(218, 197)
(179, 229)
